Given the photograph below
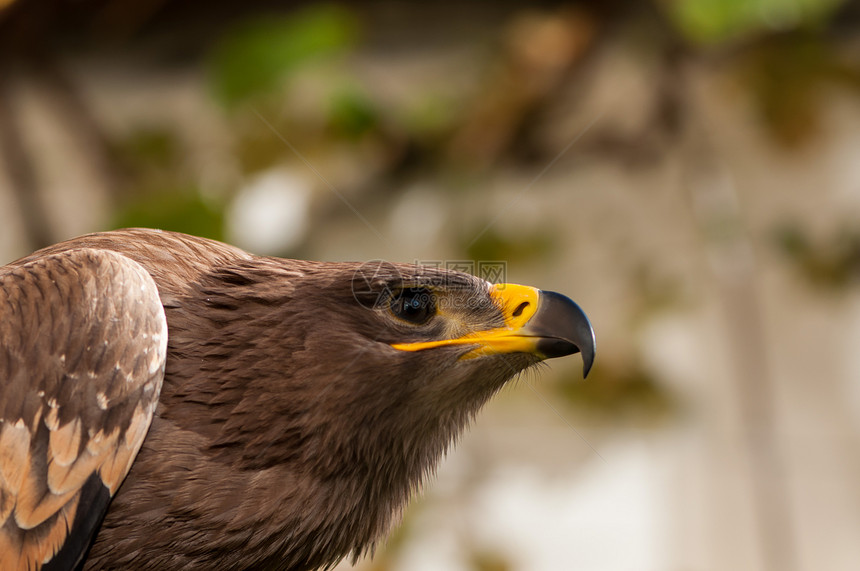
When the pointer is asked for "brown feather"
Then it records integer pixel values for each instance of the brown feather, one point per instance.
(64, 443)
(67, 322)
(12, 551)
(52, 534)
(14, 457)
(64, 479)
(36, 502)
(57, 533)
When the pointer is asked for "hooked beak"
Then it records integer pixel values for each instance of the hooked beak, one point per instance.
(544, 323)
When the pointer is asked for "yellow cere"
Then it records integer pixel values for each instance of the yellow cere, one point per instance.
(518, 304)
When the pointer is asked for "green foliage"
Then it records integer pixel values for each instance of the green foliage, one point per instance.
(785, 85)
(180, 210)
(153, 159)
(430, 116)
(491, 245)
(787, 77)
(257, 147)
(832, 265)
(352, 114)
(260, 54)
(149, 152)
(716, 21)
(150, 147)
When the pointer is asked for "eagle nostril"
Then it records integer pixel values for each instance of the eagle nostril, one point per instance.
(520, 308)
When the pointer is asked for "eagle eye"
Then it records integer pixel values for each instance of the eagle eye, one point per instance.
(415, 305)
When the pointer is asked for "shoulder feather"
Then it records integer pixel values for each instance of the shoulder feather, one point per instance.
(82, 352)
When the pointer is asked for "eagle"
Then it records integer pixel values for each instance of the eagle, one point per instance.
(173, 402)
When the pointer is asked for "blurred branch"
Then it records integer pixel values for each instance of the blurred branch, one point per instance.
(665, 122)
(730, 251)
(21, 170)
(540, 53)
(72, 110)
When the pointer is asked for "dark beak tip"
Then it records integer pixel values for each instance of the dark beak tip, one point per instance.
(588, 354)
(587, 362)
(566, 328)
(552, 347)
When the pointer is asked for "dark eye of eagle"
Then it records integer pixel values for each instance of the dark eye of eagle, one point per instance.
(415, 305)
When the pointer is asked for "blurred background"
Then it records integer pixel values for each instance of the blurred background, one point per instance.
(688, 171)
